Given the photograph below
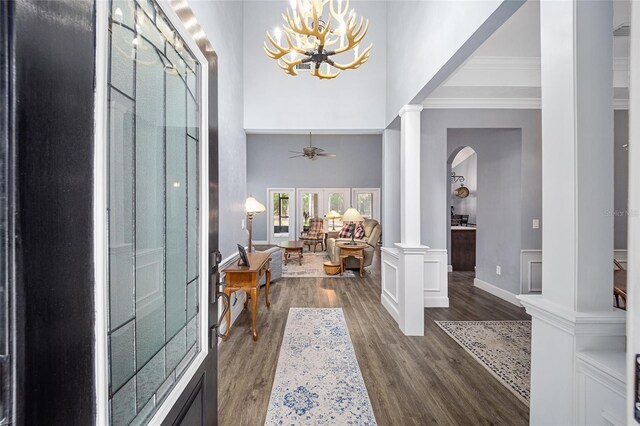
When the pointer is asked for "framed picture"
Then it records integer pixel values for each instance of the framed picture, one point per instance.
(244, 259)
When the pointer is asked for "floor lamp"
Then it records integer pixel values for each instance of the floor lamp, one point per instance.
(252, 207)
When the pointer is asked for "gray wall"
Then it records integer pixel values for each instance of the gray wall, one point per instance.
(469, 170)
(357, 165)
(620, 178)
(499, 207)
(222, 22)
(436, 174)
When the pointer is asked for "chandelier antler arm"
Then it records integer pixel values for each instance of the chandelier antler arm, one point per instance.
(354, 35)
(300, 25)
(361, 59)
(280, 51)
(289, 67)
(340, 14)
(317, 72)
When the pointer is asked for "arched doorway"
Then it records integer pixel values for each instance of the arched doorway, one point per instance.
(462, 196)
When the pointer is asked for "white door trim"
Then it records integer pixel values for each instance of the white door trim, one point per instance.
(376, 199)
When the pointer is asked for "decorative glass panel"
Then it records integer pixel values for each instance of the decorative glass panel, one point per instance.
(153, 210)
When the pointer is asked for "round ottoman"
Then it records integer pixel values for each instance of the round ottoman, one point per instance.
(331, 269)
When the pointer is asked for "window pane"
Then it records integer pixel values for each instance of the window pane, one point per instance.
(364, 204)
(281, 214)
(309, 207)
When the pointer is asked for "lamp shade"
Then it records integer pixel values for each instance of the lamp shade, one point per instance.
(333, 215)
(352, 215)
(253, 206)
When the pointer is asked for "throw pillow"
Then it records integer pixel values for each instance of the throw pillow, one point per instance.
(359, 232)
(346, 231)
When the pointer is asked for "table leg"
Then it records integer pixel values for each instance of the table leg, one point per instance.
(341, 265)
(266, 288)
(228, 316)
(254, 311)
(300, 258)
(286, 257)
(361, 266)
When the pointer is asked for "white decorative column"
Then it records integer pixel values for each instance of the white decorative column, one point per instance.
(411, 253)
(574, 314)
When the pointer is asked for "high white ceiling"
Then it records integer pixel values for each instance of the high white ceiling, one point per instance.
(505, 70)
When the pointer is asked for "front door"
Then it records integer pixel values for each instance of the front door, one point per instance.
(162, 219)
(281, 216)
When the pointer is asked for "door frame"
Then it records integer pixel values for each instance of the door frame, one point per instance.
(101, 240)
(271, 239)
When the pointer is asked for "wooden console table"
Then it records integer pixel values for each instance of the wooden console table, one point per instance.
(355, 251)
(247, 278)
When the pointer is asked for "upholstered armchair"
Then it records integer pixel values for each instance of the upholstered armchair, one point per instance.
(372, 233)
(315, 234)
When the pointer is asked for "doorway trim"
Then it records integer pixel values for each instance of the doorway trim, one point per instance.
(100, 222)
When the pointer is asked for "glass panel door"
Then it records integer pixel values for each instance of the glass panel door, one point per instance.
(367, 202)
(281, 220)
(310, 202)
(153, 209)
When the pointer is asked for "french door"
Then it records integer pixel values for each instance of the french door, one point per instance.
(281, 215)
(317, 202)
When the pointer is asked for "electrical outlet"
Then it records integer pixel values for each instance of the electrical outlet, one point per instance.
(242, 225)
(536, 224)
(498, 270)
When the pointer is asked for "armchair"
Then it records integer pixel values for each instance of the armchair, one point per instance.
(315, 234)
(372, 233)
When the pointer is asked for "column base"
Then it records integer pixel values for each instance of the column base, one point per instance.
(558, 338)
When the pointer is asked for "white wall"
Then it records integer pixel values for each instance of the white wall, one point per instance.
(222, 23)
(435, 38)
(355, 100)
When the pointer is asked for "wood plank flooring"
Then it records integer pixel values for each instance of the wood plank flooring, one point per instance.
(411, 380)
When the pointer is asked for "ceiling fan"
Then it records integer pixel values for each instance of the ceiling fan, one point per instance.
(311, 152)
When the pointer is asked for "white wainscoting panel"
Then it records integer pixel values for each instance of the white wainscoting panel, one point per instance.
(237, 298)
(530, 271)
(601, 388)
(436, 279)
(389, 273)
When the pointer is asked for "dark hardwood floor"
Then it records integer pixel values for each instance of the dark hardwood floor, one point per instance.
(410, 380)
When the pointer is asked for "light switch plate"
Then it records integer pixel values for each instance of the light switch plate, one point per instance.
(536, 224)
(498, 270)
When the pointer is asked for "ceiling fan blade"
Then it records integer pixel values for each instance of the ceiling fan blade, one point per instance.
(296, 152)
(296, 156)
(317, 149)
(327, 155)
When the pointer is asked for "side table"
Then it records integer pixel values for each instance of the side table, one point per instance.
(354, 250)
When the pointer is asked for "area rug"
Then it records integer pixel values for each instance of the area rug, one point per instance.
(502, 347)
(318, 380)
(312, 267)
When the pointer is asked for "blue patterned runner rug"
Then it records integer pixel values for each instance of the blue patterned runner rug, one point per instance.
(318, 380)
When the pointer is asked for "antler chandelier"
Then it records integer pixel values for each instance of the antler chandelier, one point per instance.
(309, 35)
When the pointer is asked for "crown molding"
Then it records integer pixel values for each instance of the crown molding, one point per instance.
(499, 103)
(410, 108)
(482, 103)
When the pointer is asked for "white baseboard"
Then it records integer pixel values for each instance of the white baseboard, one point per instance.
(497, 291)
(436, 302)
(450, 268)
(390, 306)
